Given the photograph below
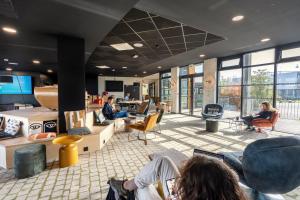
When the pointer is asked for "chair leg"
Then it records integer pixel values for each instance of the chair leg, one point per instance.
(273, 128)
(145, 141)
(159, 128)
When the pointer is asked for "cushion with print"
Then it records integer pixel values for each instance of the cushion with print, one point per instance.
(12, 127)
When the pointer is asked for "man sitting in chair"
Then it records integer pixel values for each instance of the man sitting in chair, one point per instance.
(111, 114)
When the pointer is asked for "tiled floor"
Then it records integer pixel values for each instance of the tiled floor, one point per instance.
(87, 180)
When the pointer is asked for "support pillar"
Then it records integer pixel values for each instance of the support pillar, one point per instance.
(209, 81)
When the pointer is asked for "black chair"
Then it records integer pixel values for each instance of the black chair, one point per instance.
(212, 111)
(268, 167)
(161, 113)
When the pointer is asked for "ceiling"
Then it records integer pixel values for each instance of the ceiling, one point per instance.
(39, 22)
(161, 38)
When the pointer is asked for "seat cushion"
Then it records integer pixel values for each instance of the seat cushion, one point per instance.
(79, 131)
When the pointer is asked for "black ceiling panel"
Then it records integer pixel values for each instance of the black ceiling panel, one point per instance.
(171, 32)
(121, 28)
(175, 40)
(161, 38)
(161, 23)
(190, 30)
(130, 37)
(195, 38)
(135, 14)
(142, 25)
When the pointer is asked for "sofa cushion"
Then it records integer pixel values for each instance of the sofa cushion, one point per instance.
(12, 127)
(79, 131)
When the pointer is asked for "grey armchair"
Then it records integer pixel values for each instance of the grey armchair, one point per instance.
(268, 167)
(212, 111)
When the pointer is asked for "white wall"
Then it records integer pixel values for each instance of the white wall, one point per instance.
(126, 81)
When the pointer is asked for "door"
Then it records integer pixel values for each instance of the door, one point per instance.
(185, 96)
(197, 95)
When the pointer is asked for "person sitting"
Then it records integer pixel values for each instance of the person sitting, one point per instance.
(110, 113)
(265, 113)
(127, 97)
(200, 178)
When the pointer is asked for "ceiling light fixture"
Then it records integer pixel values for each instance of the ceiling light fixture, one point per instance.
(50, 71)
(159, 67)
(5, 59)
(238, 18)
(144, 72)
(103, 67)
(138, 44)
(36, 62)
(100, 74)
(122, 46)
(9, 30)
(124, 67)
(113, 70)
(135, 75)
(265, 40)
(13, 63)
(8, 69)
(135, 56)
(202, 55)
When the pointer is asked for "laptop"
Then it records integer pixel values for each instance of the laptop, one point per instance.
(199, 152)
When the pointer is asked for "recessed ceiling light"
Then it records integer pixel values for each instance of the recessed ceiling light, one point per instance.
(36, 62)
(202, 55)
(237, 18)
(135, 75)
(124, 67)
(122, 46)
(100, 74)
(8, 69)
(9, 30)
(103, 67)
(159, 67)
(144, 72)
(113, 70)
(13, 63)
(265, 40)
(5, 59)
(50, 71)
(135, 56)
(138, 44)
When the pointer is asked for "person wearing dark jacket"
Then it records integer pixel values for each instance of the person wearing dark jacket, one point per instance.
(111, 114)
(265, 113)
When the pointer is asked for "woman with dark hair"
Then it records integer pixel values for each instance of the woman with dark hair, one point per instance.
(200, 178)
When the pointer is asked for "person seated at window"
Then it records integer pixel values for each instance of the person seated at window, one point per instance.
(110, 113)
(201, 178)
(265, 113)
(127, 97)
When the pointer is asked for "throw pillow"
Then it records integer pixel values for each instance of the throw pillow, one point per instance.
(12, 127)
(1, 123)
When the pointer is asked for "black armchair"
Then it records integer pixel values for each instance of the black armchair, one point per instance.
(268, 167)
(212, 111)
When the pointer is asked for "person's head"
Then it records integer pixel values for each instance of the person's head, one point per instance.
(208, 179)
(104, 93)
(266, 106)
(128, 94)
(110, 100)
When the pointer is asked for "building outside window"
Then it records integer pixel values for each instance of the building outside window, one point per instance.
(165, 86)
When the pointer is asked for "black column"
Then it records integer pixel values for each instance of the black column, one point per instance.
(71, 76)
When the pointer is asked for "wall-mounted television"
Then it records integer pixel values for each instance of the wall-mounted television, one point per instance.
(20, 85)
(114, 86)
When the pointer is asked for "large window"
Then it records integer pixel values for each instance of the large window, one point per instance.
(165, 86)
(229, 91)
(258, 79)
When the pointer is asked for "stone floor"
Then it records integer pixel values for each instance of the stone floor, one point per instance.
(87, 180)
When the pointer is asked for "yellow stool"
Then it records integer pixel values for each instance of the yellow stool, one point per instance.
(68, 152)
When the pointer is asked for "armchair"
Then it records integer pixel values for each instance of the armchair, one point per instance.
(264, 123)
(268, 167)
(212, 111)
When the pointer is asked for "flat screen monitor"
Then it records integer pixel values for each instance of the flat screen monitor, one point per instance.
(19, 85)
(114, 86)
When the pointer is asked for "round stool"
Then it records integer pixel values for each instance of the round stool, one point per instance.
(212, 125)
(29, 160)
(68, 152)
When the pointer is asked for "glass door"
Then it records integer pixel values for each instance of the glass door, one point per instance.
(197, 96)
(185, 96)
